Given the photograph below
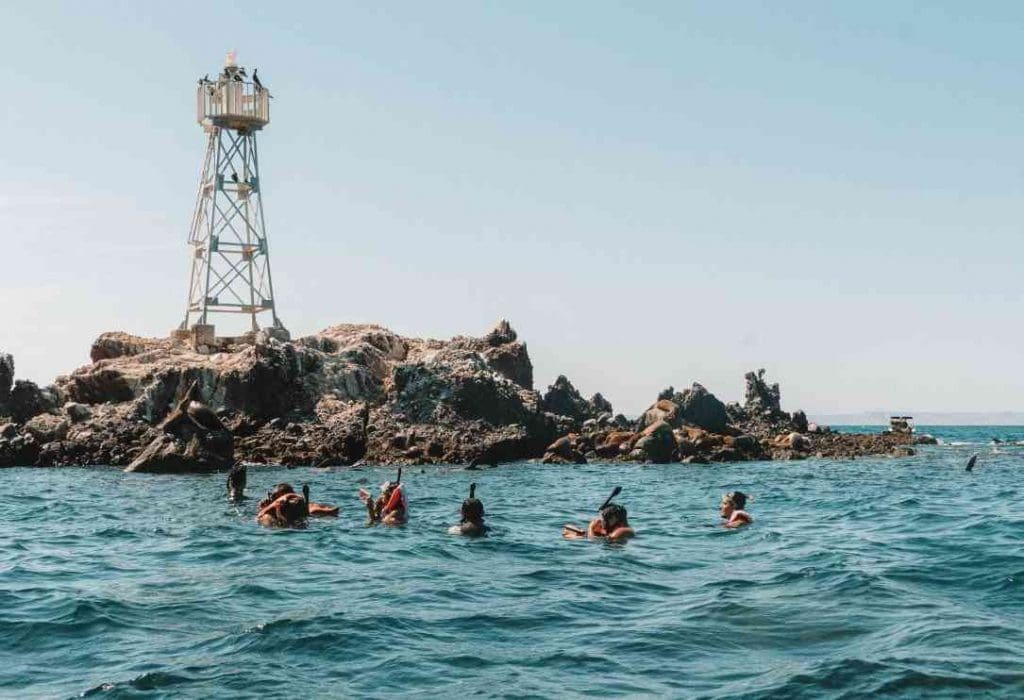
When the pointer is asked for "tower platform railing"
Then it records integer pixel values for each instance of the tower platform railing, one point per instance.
(232, 104)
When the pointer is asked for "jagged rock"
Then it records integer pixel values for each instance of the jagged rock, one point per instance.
(47, 427)
(6, 377)
(736, 413)
(563, 399)
(501, 334)
(925, 439)
(361, 393)
(800, 421)
(601, 405)
(8, 430)
(700, 407)
(27, 400)
(760, 397)
(192, 439)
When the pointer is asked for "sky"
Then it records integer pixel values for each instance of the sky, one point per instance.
(652, 193)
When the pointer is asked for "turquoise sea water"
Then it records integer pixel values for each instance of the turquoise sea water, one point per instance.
(898, 577)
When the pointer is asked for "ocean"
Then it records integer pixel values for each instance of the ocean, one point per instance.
(895, 577)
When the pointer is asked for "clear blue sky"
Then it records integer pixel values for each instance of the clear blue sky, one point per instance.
(653, 194)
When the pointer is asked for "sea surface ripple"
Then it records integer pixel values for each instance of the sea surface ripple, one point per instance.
(896, 577)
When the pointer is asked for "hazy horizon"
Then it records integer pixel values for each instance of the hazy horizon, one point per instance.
(656, 196)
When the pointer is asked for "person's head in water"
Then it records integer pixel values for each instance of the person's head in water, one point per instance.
(293, 509)
(472, 511)
(275, 493)
(236, 482)
(731, 502)
(613, 516)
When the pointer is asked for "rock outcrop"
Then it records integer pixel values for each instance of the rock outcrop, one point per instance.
(6, 377)
(191, 439)
(361, 393)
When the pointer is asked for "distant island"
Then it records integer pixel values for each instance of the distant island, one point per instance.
(354, 394)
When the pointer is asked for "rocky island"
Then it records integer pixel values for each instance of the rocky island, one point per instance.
(363, 394)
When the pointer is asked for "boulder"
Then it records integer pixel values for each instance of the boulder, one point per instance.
(77, 412)
(662, 410)
(657, 443)
(47, 427)
(564, 450)
(700, 407)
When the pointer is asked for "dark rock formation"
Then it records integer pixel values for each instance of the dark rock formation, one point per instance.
(191, 439)
(699, 407)
(6, 377)
(27, 400)
(761, 399)
(362, 394)
(563, 399)
(800, 421)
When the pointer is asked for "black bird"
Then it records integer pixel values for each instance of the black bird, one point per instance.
(970, 463)
(234, 177)
(256, 79)
(237, 78)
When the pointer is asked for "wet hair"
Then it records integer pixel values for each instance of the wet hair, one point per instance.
(237, 478)
(613, 516)
(737, 498)
(472, 511)
(278, 491)
(294, 510)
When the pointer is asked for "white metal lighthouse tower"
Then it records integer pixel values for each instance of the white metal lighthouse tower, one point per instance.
(230, 256)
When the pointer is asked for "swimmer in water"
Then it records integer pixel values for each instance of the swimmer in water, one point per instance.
(611, 523)
(472, 523)
(732, 511)
(288, 510)
(391, 507)
(316, 510)
(236, 483)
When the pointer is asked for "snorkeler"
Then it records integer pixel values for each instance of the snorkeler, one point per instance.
(391, 507)
(732, 511)
(611, 523)
(316, 510)
(236, 482)
(288, 510)
(472, 522)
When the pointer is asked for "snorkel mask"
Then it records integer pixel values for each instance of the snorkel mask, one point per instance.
(613, 516)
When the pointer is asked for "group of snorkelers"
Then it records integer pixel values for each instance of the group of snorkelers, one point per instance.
(283, 507)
